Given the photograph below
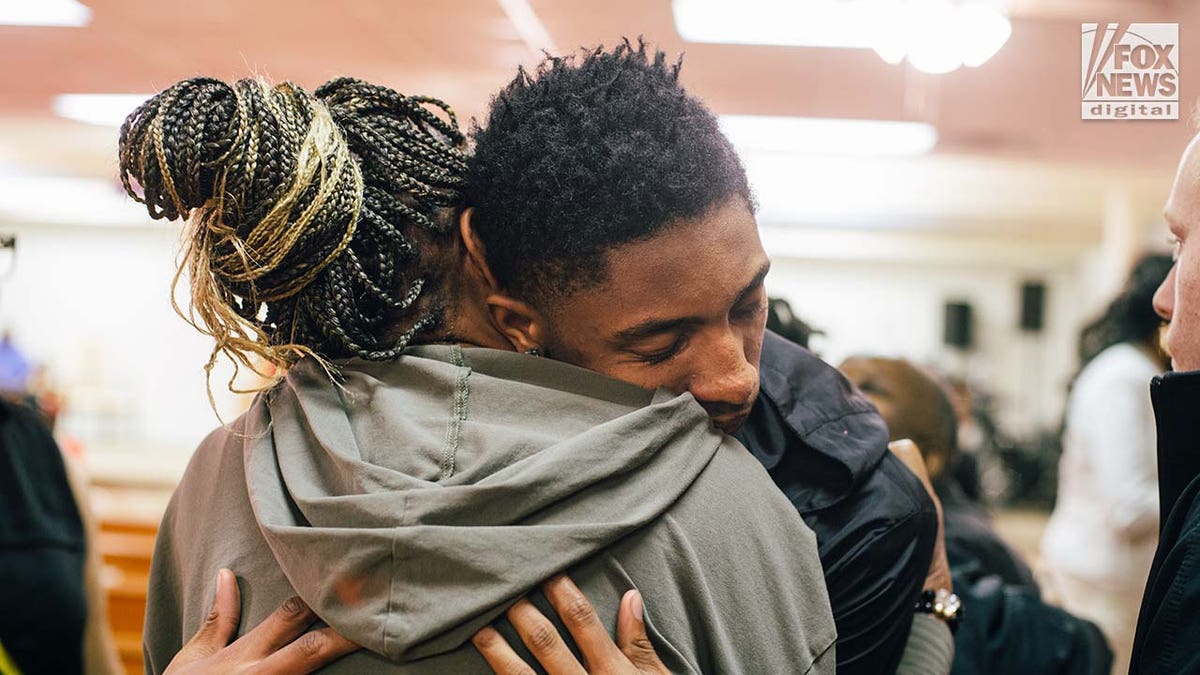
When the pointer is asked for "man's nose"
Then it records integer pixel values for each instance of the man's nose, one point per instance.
(729, 382)
(1164, 297)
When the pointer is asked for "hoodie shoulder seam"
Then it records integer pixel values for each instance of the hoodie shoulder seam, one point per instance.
(458, 412)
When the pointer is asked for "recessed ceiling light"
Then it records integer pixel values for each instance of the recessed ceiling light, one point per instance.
(44, 13)
(103, 109)
(529, 26)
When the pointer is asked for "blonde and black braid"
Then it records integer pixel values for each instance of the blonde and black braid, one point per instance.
(307, 213)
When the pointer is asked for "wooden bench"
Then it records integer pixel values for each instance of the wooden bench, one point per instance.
(125, 549)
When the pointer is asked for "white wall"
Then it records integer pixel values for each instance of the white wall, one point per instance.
(881, 288)
(92, 304)
(897, 309)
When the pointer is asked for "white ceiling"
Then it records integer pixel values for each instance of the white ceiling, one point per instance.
(1013, 156)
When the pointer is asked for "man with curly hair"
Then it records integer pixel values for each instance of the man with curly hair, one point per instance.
(616, 226)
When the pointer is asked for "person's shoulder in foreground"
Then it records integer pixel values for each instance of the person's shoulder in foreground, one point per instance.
(1168, 631)
(730, 576)
(825, 446)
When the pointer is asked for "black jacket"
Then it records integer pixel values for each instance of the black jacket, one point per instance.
(972, 544)
(1007, 628)
(825, 447)
(1168, 630)
(42, 602)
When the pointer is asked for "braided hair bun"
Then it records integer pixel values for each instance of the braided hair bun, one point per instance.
(307, 213)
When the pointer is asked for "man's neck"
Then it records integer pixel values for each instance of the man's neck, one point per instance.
(467, 323)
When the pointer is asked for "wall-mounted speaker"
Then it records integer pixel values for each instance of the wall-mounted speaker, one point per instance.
(958, 325)
(1033, 306)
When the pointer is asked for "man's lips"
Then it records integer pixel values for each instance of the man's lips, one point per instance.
(731, 423)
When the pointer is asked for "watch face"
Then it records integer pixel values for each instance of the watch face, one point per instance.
(944, 605)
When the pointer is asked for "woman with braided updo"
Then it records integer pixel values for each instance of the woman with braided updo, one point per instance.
(409, 473)
(308, 215)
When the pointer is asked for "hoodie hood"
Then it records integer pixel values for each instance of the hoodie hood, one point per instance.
(413, 501)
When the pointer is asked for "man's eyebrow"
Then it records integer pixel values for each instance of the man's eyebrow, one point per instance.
(754, 283)
(653, 327)
(1172, 222)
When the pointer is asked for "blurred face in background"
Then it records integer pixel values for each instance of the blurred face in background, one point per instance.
(1178, 299)
(913, 405)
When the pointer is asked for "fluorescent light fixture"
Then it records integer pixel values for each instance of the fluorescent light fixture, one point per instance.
(936, 36)
(531, 29)
(816, 136)
(103, 109)
(44, 13)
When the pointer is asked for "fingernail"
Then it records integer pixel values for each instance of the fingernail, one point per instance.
(221, 578)
(635, 604)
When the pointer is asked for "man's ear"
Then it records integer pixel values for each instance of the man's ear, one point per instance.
(476, 251)
(520, 322)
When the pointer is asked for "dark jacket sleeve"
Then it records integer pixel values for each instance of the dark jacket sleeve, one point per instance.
(1008, 629)
(825, 446)
(875, 539)
(973, 546)
(1168, 632)
(1168, 628)
(876, 547)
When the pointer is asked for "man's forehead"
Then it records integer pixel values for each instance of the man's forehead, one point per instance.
(886, 370)
(1183, 204)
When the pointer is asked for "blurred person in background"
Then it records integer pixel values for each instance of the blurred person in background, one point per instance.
(973, 441)
(1101, 537)
(25, 382)
(15, 368)
(782, 321)
(916, 406)
(1008, 629)
(54, 617)
(42, 550)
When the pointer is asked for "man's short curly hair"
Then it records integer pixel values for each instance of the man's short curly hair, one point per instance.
(591, 152)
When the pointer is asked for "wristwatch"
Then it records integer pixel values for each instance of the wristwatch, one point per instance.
(942, 604)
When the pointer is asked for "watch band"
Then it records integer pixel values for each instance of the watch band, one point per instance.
(942, 604)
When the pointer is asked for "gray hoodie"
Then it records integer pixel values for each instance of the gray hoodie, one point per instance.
(416, 500)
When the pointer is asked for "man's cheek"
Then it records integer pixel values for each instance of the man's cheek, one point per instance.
(754, 352)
